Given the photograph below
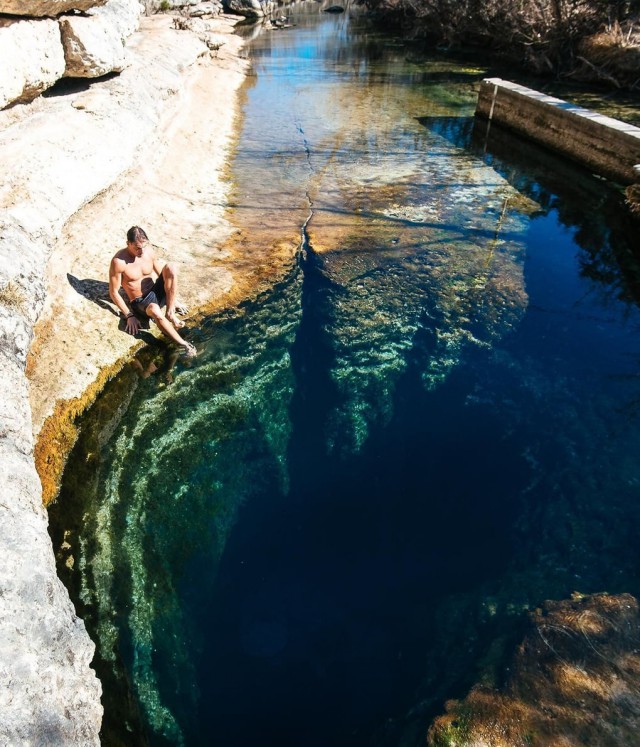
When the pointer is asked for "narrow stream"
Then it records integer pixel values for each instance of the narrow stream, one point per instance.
(315, 532)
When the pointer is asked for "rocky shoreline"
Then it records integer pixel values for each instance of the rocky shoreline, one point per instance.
(147, 146)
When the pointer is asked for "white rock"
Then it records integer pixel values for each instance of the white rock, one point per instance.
(205, 9)
(31, 59)
(51, 8)
(91, 47)
(94, 44)
(213, 41)
(48, 693)
(249, 8)
(123, 14)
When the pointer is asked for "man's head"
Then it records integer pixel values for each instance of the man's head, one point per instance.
(136, 239)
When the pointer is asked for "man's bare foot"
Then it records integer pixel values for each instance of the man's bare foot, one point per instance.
(177, 323)
(181, 308)
(189, 350)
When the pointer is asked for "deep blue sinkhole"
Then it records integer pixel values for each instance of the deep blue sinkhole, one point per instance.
(320, 617)
(315, 532)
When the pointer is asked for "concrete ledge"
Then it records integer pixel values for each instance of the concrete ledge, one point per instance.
(607, 146)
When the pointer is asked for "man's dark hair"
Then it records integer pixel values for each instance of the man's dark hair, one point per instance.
(135, 233)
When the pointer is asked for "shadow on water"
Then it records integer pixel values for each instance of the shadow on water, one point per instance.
(592, 208)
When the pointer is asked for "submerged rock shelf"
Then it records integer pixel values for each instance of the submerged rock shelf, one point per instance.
(572, 681)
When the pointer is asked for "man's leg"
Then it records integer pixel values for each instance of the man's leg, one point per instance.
(166, 327)
(170, 277)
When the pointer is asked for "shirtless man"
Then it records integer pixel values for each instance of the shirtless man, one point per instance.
(133, 269)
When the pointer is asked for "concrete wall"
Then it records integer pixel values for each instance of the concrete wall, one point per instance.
(607, 146)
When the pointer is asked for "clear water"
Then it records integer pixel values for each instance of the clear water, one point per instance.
(426, 425)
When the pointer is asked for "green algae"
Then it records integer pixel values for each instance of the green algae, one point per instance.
(441, 248)
(160, 486)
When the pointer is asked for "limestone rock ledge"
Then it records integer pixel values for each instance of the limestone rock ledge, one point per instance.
(572, 682)
(46, 8)
(56, 156)
(94, 43)
(48, 693)
(31, 58)
(37, 50)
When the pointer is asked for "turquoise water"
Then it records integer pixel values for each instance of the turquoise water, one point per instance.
(314, 532)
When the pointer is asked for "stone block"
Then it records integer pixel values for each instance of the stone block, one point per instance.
(205, 9)
(91, 47)
(31, 59)
(248, 8)
(94, 44)
(46, 8)
(123, 14)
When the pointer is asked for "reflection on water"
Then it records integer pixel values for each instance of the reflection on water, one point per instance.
(321, 524)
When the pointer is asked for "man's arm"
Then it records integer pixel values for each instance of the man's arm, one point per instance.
(115, 283)
(158, 264)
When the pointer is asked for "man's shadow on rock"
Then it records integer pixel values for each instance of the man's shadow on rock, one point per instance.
(98, 292)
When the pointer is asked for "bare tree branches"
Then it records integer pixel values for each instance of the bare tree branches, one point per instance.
(586, 39)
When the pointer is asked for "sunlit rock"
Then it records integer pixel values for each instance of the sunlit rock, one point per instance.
(91, 48)
(206, 9)
(94, 44)
(31, 58)
(174, 4)
(50, 8)
(48, 693)
(573, 680)
(250, 8)
(124, 15)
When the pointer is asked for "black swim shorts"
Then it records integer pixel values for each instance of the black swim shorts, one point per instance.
(155, 295)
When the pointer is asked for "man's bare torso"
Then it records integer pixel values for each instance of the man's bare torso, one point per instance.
(137, 272)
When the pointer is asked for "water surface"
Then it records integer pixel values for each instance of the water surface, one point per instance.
(315, 532)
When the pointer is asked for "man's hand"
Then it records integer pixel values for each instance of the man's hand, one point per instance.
(133, 325)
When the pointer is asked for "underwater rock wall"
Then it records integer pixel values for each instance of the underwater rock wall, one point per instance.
(161, 487)
(572, 680)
